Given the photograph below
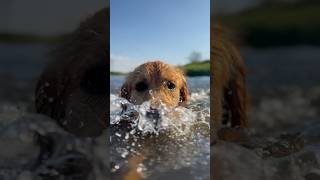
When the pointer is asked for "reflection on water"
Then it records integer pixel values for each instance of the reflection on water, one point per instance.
(176, 145)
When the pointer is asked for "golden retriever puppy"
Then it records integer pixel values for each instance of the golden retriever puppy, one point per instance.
(229, 92)
(73, 88)
(158, 82)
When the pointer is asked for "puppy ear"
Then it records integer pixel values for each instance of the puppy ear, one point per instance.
(126, 91)
(184, 94)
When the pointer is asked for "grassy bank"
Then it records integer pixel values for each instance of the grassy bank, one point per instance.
(201, 68)
(117, 73)
(277, 24)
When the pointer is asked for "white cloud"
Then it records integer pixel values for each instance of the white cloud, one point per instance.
(121, 63)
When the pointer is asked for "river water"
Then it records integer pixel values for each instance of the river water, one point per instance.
(284, 118)
(177, 148)
(285, 98)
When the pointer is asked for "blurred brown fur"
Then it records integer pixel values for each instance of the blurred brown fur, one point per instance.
(229, 92)
(72, 89)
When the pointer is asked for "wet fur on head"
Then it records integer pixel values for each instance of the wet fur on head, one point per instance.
(155, 75)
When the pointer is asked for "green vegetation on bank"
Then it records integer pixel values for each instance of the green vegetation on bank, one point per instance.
(277, 24)
(201, 68)
(114, 73)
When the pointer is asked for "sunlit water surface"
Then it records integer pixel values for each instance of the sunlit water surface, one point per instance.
(176, 145)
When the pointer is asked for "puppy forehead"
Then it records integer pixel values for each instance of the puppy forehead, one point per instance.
(157, 71)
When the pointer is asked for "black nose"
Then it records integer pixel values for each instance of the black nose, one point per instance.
(153, 114)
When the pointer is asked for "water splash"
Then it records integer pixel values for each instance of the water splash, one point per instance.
(178, 138)
(179, 119)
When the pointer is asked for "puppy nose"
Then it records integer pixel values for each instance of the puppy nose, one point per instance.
(153, 113)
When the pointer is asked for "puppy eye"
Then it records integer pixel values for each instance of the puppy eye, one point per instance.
(141, 86)
(170, 85)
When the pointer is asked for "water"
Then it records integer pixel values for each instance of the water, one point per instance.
(282, 67)
(176, 146)
(24, 61)
(285, 97)
(284, 89)
(285, 94)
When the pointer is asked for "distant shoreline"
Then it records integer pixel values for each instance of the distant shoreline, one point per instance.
(20, 38)
(276, 24)
(115, 73)
(200, 68)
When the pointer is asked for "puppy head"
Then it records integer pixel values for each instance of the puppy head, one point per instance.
(158, 82)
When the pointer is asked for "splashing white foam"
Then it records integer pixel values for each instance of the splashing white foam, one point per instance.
(180, 136)
(179, 119)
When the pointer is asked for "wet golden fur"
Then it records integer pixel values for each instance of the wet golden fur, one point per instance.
(156, 76)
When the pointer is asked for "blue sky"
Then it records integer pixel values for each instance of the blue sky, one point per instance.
(168, 30)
